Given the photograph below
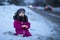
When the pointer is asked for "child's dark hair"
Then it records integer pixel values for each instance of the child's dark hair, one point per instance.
(16, 16)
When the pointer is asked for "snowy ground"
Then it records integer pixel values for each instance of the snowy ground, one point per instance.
(57, 9)
(39, 27)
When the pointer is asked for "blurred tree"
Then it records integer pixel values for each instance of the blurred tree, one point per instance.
(16, 2)
(54, 3)
(1, 2)
(57, 3)
(50, 2)
(39, 3)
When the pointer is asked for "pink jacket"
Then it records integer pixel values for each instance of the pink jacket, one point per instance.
(18, 24)
(19, 29)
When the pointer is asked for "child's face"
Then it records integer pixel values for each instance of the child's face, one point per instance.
(21, 14)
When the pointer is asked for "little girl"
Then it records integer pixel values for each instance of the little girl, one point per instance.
(21, 23)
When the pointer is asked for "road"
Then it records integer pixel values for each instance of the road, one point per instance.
(48, 14)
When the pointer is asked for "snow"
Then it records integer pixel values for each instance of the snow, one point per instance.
(56, 9)
(42, 8)
(38, 7)
(38, 23)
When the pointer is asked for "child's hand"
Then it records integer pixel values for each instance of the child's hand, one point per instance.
(25, 26)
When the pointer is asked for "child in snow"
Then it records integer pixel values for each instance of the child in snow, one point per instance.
(21, 23)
